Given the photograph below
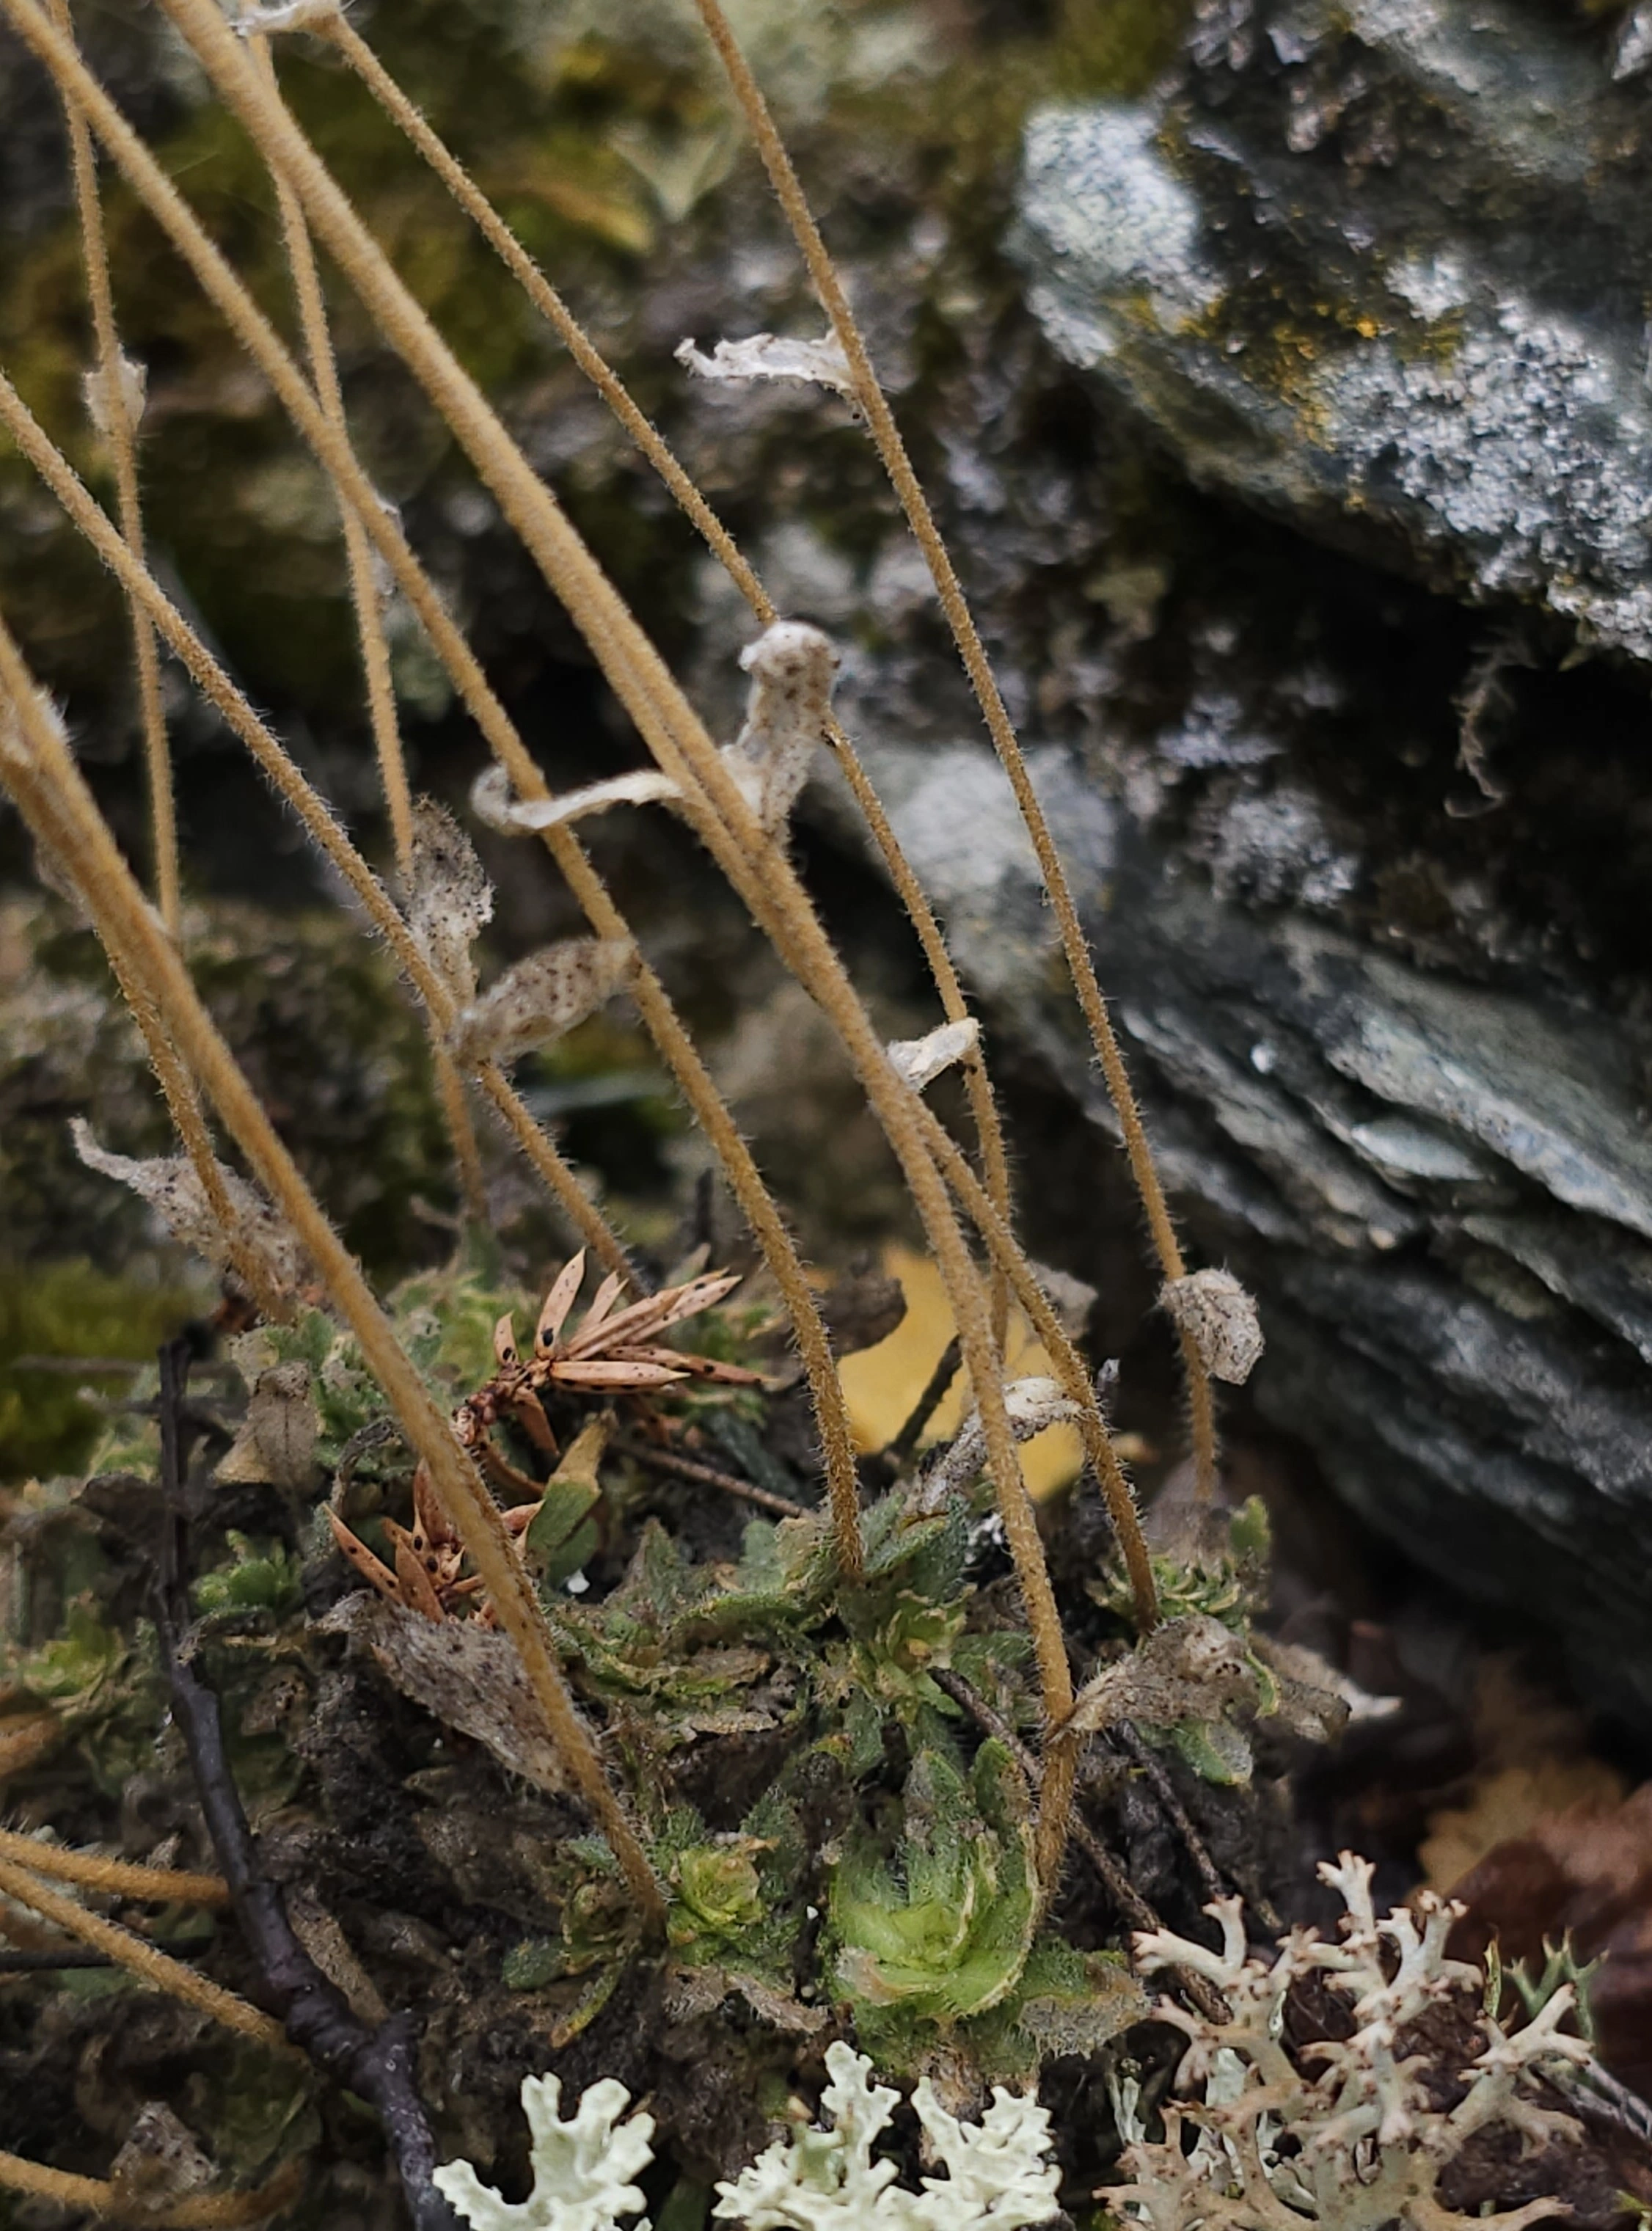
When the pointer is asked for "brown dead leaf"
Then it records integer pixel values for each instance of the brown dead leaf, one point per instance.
(276, 1444)
(468, 1676)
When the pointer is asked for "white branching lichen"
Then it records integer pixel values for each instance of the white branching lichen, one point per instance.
(541, 999)
(491, 803)
(1221, 1317)
(792, 666)
(920, 1060)
(583, 2168)
(1365, 2142)
(171, 1187)
(772, 356)
(998, 2173)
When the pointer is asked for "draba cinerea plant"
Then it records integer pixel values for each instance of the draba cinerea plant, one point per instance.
(233, 1190)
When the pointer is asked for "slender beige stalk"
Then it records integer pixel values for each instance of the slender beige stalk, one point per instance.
(121, 435)
(886, 434)
(1100, 1453)
(189, 1121)
(259, 337)
(640, 679)
(42, 776)
(654, 446)
(116, 1877)
(460, 663)
(317, 819)
(157, 1969)
(752, 864)
(375, 647)
(202, 2211)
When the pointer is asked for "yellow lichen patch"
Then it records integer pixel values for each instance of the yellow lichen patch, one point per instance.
(882, 1384)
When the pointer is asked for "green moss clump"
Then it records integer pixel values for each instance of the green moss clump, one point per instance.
(69, 1309)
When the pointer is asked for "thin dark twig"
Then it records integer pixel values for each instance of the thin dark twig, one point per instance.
(1176, 1812)
(43, 1963)
(375, 2064)
(1126, 1897)
(894, 1455)
(709, 1476)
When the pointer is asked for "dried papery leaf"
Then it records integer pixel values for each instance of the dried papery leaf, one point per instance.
(1189, 1669)
(792, 666)
(171, 1186)
(540, 999)
(493, 806)
(288, 15)
(1030, 1405)
(468, 1676)
(774, 356)
(159, 2162)
(276, 1442)
(1215, 1308)
(922, 1060)
(134, 390)
(449, 900)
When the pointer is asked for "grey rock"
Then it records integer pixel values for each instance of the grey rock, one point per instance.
(1373, 265)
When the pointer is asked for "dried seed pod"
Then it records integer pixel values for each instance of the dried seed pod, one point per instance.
(491, 803)
(171, 1186)
(450, 898)
(792, 666)
(922, 1060)
(540, 999)
(772, 356)
(1215, 1308)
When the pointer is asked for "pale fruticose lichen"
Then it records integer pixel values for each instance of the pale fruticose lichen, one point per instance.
(998, 2173)
(1366, 2142)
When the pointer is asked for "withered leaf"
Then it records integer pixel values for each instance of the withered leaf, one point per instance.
(468, 1676)
(276, 1442)
(541, 999)
(1213, 1308)
(449, 899)
(1189, 1669)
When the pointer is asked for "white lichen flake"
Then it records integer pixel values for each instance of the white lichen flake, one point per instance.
(583, 2168)
(998, 2176)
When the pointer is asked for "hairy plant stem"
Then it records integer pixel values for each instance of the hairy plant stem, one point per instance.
(122, 439)
(157, 1969)
(323, 828)
(40, 774)
(204, 2211)
(115, 1877)
(886, 435)
(659, 1017)
(375, 649)
(753, 864)
(654, 448)
(1100, 1453)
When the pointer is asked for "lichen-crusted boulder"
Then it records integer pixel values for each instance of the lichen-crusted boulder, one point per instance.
(1375, 262)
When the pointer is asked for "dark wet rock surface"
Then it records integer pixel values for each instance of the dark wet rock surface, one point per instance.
(1375, 271)
(1382, 267)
